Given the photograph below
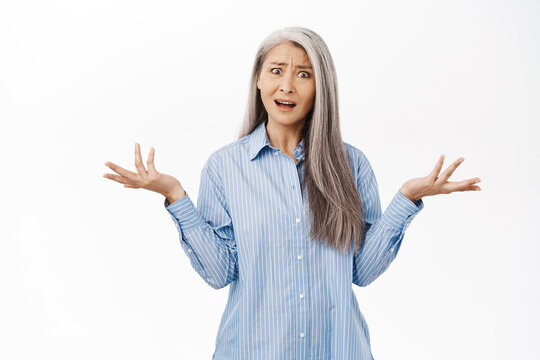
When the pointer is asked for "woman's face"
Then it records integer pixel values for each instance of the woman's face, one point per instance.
(286, 75)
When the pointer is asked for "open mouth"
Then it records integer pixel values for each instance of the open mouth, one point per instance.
(284, 104)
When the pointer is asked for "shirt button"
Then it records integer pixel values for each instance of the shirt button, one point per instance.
(392, 250)
(297, 220)
(301, 296)
(189, 250)
(276, 153)
(302, 335)
(299, 257)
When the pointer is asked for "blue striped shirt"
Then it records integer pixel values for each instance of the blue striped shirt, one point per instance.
(290, 297)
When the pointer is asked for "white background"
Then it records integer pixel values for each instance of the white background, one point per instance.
(92, 270)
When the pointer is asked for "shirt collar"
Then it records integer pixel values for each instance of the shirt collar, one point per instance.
(259, 139)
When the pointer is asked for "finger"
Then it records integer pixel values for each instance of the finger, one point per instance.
(463, 185)
(120, 170)
(150, 161)
(116, 178)
(138, 161)
(450, 170)
(131, 186)
(471, 185)
(437, 168)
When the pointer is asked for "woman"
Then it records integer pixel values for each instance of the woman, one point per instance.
(289, 215)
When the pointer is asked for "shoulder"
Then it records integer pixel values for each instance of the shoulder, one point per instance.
(360, 164)
(226, 153)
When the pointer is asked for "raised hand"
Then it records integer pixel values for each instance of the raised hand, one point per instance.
(435, 184)
(150, 179)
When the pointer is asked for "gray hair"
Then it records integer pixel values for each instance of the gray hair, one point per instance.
(335, 205)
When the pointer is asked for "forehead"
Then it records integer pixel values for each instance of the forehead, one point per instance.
(286, 52)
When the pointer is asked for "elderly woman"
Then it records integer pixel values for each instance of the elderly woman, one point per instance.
(289, 215)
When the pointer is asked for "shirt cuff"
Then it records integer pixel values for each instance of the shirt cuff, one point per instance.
(401, 211)
(184, 212)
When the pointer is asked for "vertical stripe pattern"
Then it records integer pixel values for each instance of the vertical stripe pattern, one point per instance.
(290, 297)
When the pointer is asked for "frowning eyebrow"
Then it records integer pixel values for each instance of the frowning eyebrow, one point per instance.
(298, 66)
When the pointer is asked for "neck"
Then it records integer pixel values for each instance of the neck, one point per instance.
(284, 137)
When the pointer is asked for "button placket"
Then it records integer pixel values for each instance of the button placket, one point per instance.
(294, 177)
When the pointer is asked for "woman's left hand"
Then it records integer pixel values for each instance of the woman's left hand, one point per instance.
(433, 184)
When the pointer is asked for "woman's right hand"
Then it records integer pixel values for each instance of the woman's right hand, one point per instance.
(150, 179)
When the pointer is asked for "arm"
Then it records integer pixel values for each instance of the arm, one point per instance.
(206, 232)
(384, 232)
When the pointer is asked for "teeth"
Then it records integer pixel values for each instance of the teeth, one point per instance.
(285, 102)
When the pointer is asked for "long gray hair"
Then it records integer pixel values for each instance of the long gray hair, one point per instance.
(334, 202)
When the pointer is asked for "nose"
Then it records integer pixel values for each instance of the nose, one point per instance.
(287, 84)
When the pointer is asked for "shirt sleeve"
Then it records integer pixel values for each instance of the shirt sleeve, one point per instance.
(206, 232)
(384, 232)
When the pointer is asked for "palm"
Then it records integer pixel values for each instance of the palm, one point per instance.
(149, 179)
(435, 183)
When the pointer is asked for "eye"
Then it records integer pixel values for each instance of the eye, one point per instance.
(306, 74)
(276, 73)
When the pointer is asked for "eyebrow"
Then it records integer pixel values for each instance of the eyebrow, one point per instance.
(298, 66)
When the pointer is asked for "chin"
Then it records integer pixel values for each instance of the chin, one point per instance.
(286, 119)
